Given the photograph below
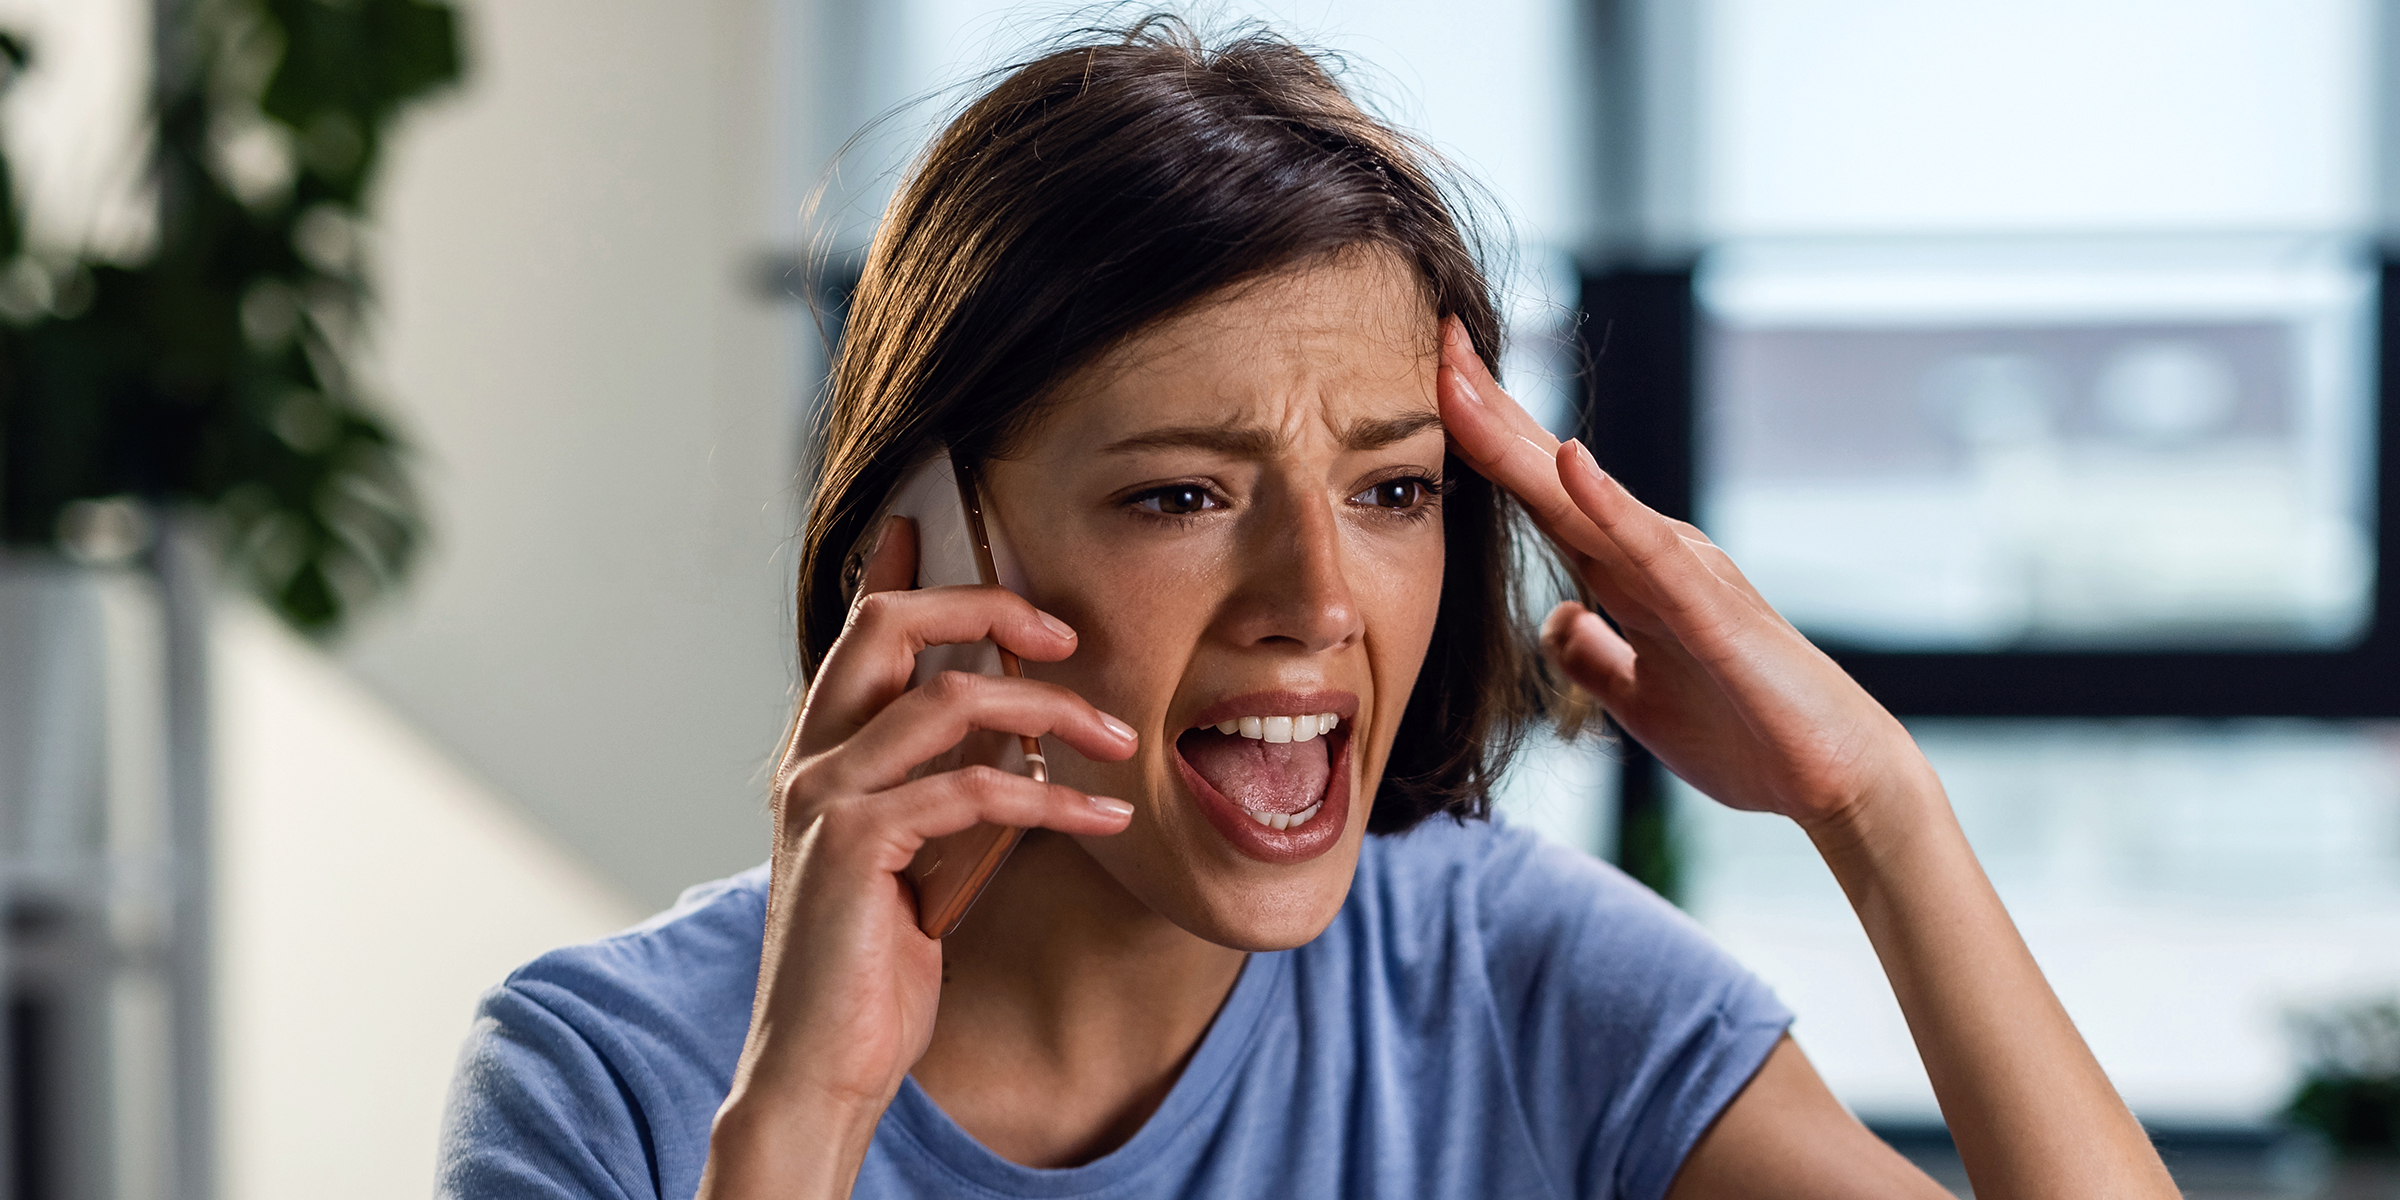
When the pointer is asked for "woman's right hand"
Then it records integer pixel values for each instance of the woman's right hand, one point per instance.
(847, 985)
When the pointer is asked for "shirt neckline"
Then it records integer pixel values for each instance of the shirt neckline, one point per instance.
(1231, 1034)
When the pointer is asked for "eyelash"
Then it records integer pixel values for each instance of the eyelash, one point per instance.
(1149, 500)
(1429, 500)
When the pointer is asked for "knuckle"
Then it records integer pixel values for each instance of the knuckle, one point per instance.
(981, 781)
(798, 785)
(953, 687)
(877, 609)
(982, 777)
(843, 819)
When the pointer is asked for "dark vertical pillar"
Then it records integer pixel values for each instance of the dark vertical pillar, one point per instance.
(1641, 341)
(33, 1136)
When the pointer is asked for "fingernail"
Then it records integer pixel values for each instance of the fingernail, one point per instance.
(1111, 805)
(1465, 389)
(1584, 453)
(1054, 625)
(1117, 727)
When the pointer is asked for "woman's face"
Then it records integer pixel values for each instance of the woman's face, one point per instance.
(1238, 512)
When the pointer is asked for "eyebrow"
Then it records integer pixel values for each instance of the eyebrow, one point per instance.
(1251, 441)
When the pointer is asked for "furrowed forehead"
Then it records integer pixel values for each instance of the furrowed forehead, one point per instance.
(1257, 441)
(1355, 333)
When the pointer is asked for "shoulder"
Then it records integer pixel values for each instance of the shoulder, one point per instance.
(1625, 1029)
(1518, 892)
(601, 1063)
(676, 962)
(1548, 927)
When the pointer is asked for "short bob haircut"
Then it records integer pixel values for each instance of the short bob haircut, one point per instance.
(1094, 191)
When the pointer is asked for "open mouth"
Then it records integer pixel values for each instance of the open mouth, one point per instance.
(1275, 783)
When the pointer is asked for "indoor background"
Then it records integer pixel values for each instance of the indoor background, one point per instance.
(2033, 361)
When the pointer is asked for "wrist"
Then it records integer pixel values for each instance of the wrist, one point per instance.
(789, 1143)
(1887, 824)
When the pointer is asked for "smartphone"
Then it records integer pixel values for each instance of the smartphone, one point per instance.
(957, 545)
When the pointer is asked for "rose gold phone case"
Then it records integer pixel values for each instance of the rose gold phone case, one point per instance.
(956, 546)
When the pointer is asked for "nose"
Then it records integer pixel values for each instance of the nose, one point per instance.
(1295, 591)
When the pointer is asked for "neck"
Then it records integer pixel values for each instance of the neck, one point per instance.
(1068, 1009)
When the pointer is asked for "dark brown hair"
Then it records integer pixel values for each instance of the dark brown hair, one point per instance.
(1098, 189)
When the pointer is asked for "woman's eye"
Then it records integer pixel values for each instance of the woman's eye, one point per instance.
(1405, 492)
(1178, 500)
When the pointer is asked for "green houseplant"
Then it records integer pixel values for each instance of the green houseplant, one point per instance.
(2350, 1091)
(218, 373)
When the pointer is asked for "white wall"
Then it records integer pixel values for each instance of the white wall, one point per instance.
(73, 124)
(606, 411)
(368, 891)
(607, 416)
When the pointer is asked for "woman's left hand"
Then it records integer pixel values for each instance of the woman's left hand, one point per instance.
(1700, 669)
(1733, 699)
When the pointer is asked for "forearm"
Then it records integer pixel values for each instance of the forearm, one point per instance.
(2029, 1107)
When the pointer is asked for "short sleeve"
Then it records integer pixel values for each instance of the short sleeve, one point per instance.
(1629, 1029)
(535, 1112)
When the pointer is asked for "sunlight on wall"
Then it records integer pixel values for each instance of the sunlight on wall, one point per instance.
(73, 124)
(369, 891)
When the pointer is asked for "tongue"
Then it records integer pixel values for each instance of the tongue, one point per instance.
(1260, 776)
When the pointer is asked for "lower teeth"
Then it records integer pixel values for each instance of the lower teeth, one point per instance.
(1285, 820)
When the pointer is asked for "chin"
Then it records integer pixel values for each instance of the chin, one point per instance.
(1249, 914)
(1200, 862)
(1193, 877)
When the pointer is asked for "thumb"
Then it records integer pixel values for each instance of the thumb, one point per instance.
(1595, 656)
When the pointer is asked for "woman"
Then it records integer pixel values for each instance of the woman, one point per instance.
(1221, 355)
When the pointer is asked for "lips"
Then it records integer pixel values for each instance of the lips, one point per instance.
(1271, 771)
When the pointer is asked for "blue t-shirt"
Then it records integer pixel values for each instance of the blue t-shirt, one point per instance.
(1488, 1015)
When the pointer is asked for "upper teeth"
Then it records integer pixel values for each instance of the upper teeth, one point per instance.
(1280, 729)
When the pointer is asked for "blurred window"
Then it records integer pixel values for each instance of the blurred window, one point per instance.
(2082, 444)
(2041, 325)
(2050, 326)
(1901, 117)
(2186, 885)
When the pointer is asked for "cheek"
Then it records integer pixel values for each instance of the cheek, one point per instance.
(1137, 614)
(1417, 597)
(1398, 589)
(1400, 606)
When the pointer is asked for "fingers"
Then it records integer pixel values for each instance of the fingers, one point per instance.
(870, 664)
(1674, 571)
(904, 818)
(1495, 434)
(1667, 575)
(930, 720)
(1592, 654)
(892, 565)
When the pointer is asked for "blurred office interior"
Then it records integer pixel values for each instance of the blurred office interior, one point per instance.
(2028, 355)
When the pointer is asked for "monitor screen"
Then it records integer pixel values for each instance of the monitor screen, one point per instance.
(2076, 444)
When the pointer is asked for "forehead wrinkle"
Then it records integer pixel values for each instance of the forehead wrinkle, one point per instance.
(1375, 433)
(1310, 334)
(1233, 441)
(1251, 441)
